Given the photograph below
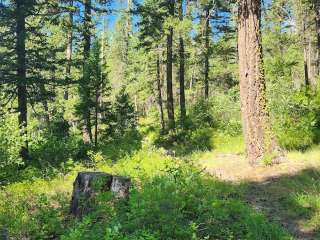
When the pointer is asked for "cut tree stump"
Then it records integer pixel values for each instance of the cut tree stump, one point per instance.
(4, 234)
(88, 184)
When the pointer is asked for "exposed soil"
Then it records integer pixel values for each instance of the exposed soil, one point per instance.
(266, 186)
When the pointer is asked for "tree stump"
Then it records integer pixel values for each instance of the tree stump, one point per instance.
(120, 186)
(88, 184)
(4, 234)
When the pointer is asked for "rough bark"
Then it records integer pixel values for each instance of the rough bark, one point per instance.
(69, 52)
(45, 104)
(96, 112)
(305, 56)
(21, 72)
(182, 69)
(160, 102)
(207, 53)
(317, 10)
(259, 140)
(4, 234)
(86, 54)
(170, 104)
(88, 184)
(128, 30)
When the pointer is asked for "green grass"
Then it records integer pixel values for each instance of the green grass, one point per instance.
(225, 143)
(297, 200)
(170, 199)
(172, 196)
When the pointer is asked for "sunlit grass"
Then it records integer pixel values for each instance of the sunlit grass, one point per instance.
(225, 143)
(312, 154)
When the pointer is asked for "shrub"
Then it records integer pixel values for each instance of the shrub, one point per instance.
(296, 119)
(53, 151)
(10, 144)
(200, 114)
(226, 112)
(186, 141)
(181, 204)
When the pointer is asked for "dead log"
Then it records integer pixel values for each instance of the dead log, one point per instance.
(88, 184)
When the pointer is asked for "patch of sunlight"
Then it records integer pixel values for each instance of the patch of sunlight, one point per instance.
(312, 154)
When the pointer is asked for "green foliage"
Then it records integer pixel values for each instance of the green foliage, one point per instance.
(52, 151)
(59, 127)
(34, 209)
(200, 114)
(170, 199)
(296, 120)
(11, 142)
(121, 145)
(124, 114)
(186, 141)
(226, 112)
(181, 204)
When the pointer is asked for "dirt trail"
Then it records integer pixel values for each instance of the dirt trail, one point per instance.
(234, 168)
(266, 186)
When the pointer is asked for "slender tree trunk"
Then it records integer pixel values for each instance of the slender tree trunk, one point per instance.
(96, 117)
(160, 95)
(45, 104)
(259, 139)
(69, 52)
(305, 52)
(21, 72)
(86, 55)
(182, 69)
(170, 105)
(207, 54)
(128, 30)
(317, 10)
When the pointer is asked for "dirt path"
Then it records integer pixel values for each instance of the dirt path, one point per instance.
(268, 188)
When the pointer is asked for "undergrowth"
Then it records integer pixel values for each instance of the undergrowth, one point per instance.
(169, 199)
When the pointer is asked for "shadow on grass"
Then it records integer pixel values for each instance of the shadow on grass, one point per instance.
(121, 146)
(291, 200)
(184, 142)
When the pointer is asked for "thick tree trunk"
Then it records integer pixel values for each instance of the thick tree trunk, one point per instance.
(170, 104)
(182, 69)
(69, 52)
(160, 95)
(207, 53)
(21, 72)
(86, 55)
(259, 139)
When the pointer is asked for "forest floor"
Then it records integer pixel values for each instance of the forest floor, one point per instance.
(287, 193)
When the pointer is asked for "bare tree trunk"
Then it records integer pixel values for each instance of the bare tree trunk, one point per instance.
(170, 105)
(207, 53)
(128, 30)
(160, 95)
(21, 72)
(182, 69)
(45, 104)
(86, 55)
(317, 9)
(69, 52)
(96, 117)
(305, 51)
(259, 139)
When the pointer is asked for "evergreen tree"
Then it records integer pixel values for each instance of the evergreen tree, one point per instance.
(259, 139)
